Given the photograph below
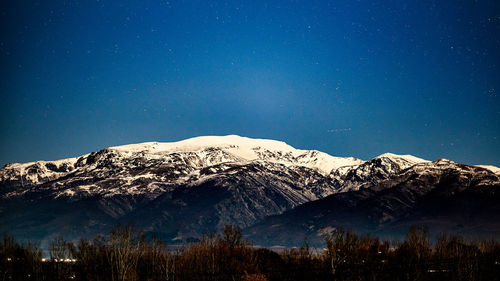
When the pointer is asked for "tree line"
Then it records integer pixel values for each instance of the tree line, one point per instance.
(126, 254)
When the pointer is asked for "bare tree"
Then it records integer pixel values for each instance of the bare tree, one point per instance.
(231, 235)
(124, 252)
(60, 250)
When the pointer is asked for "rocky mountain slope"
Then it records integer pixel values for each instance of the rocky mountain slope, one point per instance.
(184, 189)
(442, 195)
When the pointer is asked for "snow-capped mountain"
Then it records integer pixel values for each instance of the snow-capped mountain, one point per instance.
(183, 189)
(374, 171)
(189, 161)
(442, 195)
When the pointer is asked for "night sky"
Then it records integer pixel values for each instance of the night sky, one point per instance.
(350, 78)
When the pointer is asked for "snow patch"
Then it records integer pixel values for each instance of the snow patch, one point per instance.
(492, 168)
(409, 158)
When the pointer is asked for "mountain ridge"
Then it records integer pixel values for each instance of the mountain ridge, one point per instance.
(186, 188)
(442, 195)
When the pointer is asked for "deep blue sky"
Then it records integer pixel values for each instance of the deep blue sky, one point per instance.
(350, 78)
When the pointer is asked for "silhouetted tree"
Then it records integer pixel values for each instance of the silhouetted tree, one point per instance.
(123, 252)
(126, 254)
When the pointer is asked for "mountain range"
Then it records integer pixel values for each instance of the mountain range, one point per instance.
(278, 194)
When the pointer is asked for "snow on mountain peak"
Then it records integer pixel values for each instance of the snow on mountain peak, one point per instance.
(492, 168)
(247, 149)
(409, 158)
(206, 141)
